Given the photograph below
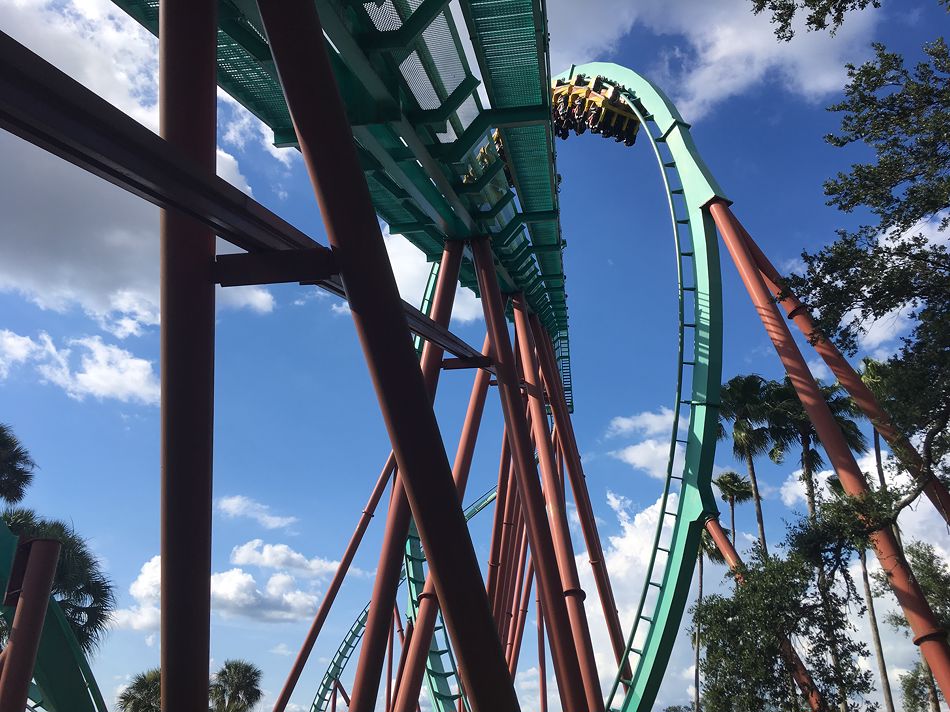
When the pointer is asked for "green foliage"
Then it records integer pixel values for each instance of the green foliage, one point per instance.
(744, 404)
(143, 693)
(733, 487)
(915, 689)
(16, 466)
(778, 600)
(904, 116)
(236, 687)
(821, 14)
(678, 708)
(84, 592)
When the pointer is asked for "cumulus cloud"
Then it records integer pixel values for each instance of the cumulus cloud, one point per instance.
(67, 238)
(412, 274)
(650, 456)
(234, 593)
(83, 367)
(281, 556)
(715, 49)
(647, 423)
(240, 506)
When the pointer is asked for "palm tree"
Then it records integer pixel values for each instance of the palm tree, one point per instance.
(143, 694)
(16, 466)
(236, 687)
(743, 402)
(707, 549)
(734, 489)
(789, 425)
(84, 593)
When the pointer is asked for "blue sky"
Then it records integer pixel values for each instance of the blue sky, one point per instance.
(298, 439)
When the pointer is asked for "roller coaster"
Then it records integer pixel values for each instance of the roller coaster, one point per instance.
(440, 119)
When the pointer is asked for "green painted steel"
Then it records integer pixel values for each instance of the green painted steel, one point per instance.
(63, 681)
(344, 652)
(424, 134)
(689, 187)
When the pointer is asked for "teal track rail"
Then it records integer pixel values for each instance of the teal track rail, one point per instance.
(689, 187)
(63, 681)
(438, 681)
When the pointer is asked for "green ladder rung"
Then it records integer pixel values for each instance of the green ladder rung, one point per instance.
(683, 221)
(689, 253)
(670, 164)
(654, 583)
(676, 191)
(665, 551)
(442, 696)
(689, 325)
(445, 675)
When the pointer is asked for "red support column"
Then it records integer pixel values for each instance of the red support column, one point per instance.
(372, 654)
(570, 683)
(501, 503)
(330, 596)
(514, 603)
(427, 615)
(557, 509)
(325, 138)
(935, 490)
(519, 623)
(542, 658)
(927, 633)
(575, 472)
(19, 655)
(188, 118)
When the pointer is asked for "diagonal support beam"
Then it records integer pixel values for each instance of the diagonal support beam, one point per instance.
(245, 268)
(295, 35)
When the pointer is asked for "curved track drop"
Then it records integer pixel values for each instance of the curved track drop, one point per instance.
(689, 187)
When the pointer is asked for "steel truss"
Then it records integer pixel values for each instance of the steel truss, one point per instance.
(476, 189)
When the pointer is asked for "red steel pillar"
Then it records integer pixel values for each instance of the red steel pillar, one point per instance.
(501, 504)
(326, 142)
(935, 490)
(411, 683)
(557, 508)
(188, 118)
(575, 472)
(517, 634)
(542, 658)
(570, 683)
(373, 651)
(19, 654)
(927, 633)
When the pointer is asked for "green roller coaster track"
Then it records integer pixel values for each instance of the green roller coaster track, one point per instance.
(689, 187)
(63, 681)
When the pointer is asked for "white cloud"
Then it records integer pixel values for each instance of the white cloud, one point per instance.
(412, 274)
(716, 49)
(14, 349)
(104, 371)
(281, 556)
(146, 590)
(234, 593)
(59, 245)
(650, 456)
(228, 168)
(281, 649)
(647, 423)
(241, 506)
(819, 369)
